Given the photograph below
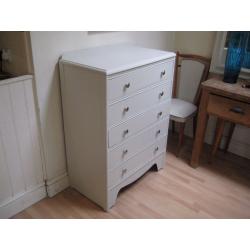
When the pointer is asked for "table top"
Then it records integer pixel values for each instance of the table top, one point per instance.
(234, 91)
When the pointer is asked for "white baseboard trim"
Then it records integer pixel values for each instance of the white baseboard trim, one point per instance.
(57, 184)
(238, 148)
(17, 204)
(235, 147)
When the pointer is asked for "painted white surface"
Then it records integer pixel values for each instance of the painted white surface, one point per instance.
(181, 109)
(47, 47)
(57, 184)
(21, 166)
(138, 103)
(123, 131)
(88, 117)
(189, 75)
(16, 79)
(136, 144)
(189, 79)
(113, 59)
(125, 84)
(159, 161)
(22, 202)
(84, 113)
(195, 42)
(121, 173)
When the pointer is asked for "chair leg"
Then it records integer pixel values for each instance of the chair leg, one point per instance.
(231, 130)
(181, 137)
(217, 137)
(173, 127)
(194, 125)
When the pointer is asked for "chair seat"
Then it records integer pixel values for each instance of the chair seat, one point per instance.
(181, 110)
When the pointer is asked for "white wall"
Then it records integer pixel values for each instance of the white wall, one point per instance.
(47, 48)
(195, 42)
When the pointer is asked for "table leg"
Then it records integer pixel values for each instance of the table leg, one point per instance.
(231, 130)
(201, 129)
(220, 124)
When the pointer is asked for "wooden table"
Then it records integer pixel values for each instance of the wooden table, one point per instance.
(229, 102)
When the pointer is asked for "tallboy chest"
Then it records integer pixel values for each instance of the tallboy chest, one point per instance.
(116, 113)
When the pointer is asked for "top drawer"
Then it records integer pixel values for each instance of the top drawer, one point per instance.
(125, 84)
(232, 110)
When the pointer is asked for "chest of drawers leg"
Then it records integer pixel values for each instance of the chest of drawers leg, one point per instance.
(113, 192)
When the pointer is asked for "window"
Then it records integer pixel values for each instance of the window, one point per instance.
(220, 52)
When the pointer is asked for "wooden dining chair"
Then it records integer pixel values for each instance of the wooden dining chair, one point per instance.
(190, 71)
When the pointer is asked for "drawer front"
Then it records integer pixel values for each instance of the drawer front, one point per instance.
(125, 130)
(112, 192)
(126, 84)
(229, 109)
(121, 111)
(117, 175)
(137, 143)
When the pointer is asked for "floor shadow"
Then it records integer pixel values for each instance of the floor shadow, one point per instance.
(227, 164)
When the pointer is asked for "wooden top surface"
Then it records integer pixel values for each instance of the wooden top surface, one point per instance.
(234, 91)
(112, 59)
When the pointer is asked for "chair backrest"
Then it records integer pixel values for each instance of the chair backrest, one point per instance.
(190, 72)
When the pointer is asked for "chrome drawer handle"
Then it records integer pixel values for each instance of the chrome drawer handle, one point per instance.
(161, 94)
(160, 114)
(125, 151)
(124, 171)
(125, 132)
(126, 86)
(158, 132)
(163, 73)
(126, 109)
(237, 110)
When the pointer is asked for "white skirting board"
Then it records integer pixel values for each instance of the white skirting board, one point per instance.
(57, 184)
(237, 146)
(23, 201)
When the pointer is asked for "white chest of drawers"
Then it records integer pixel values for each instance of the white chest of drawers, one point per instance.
(116, 103)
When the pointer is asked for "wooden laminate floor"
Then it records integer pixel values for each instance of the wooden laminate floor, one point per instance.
(217, 190)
